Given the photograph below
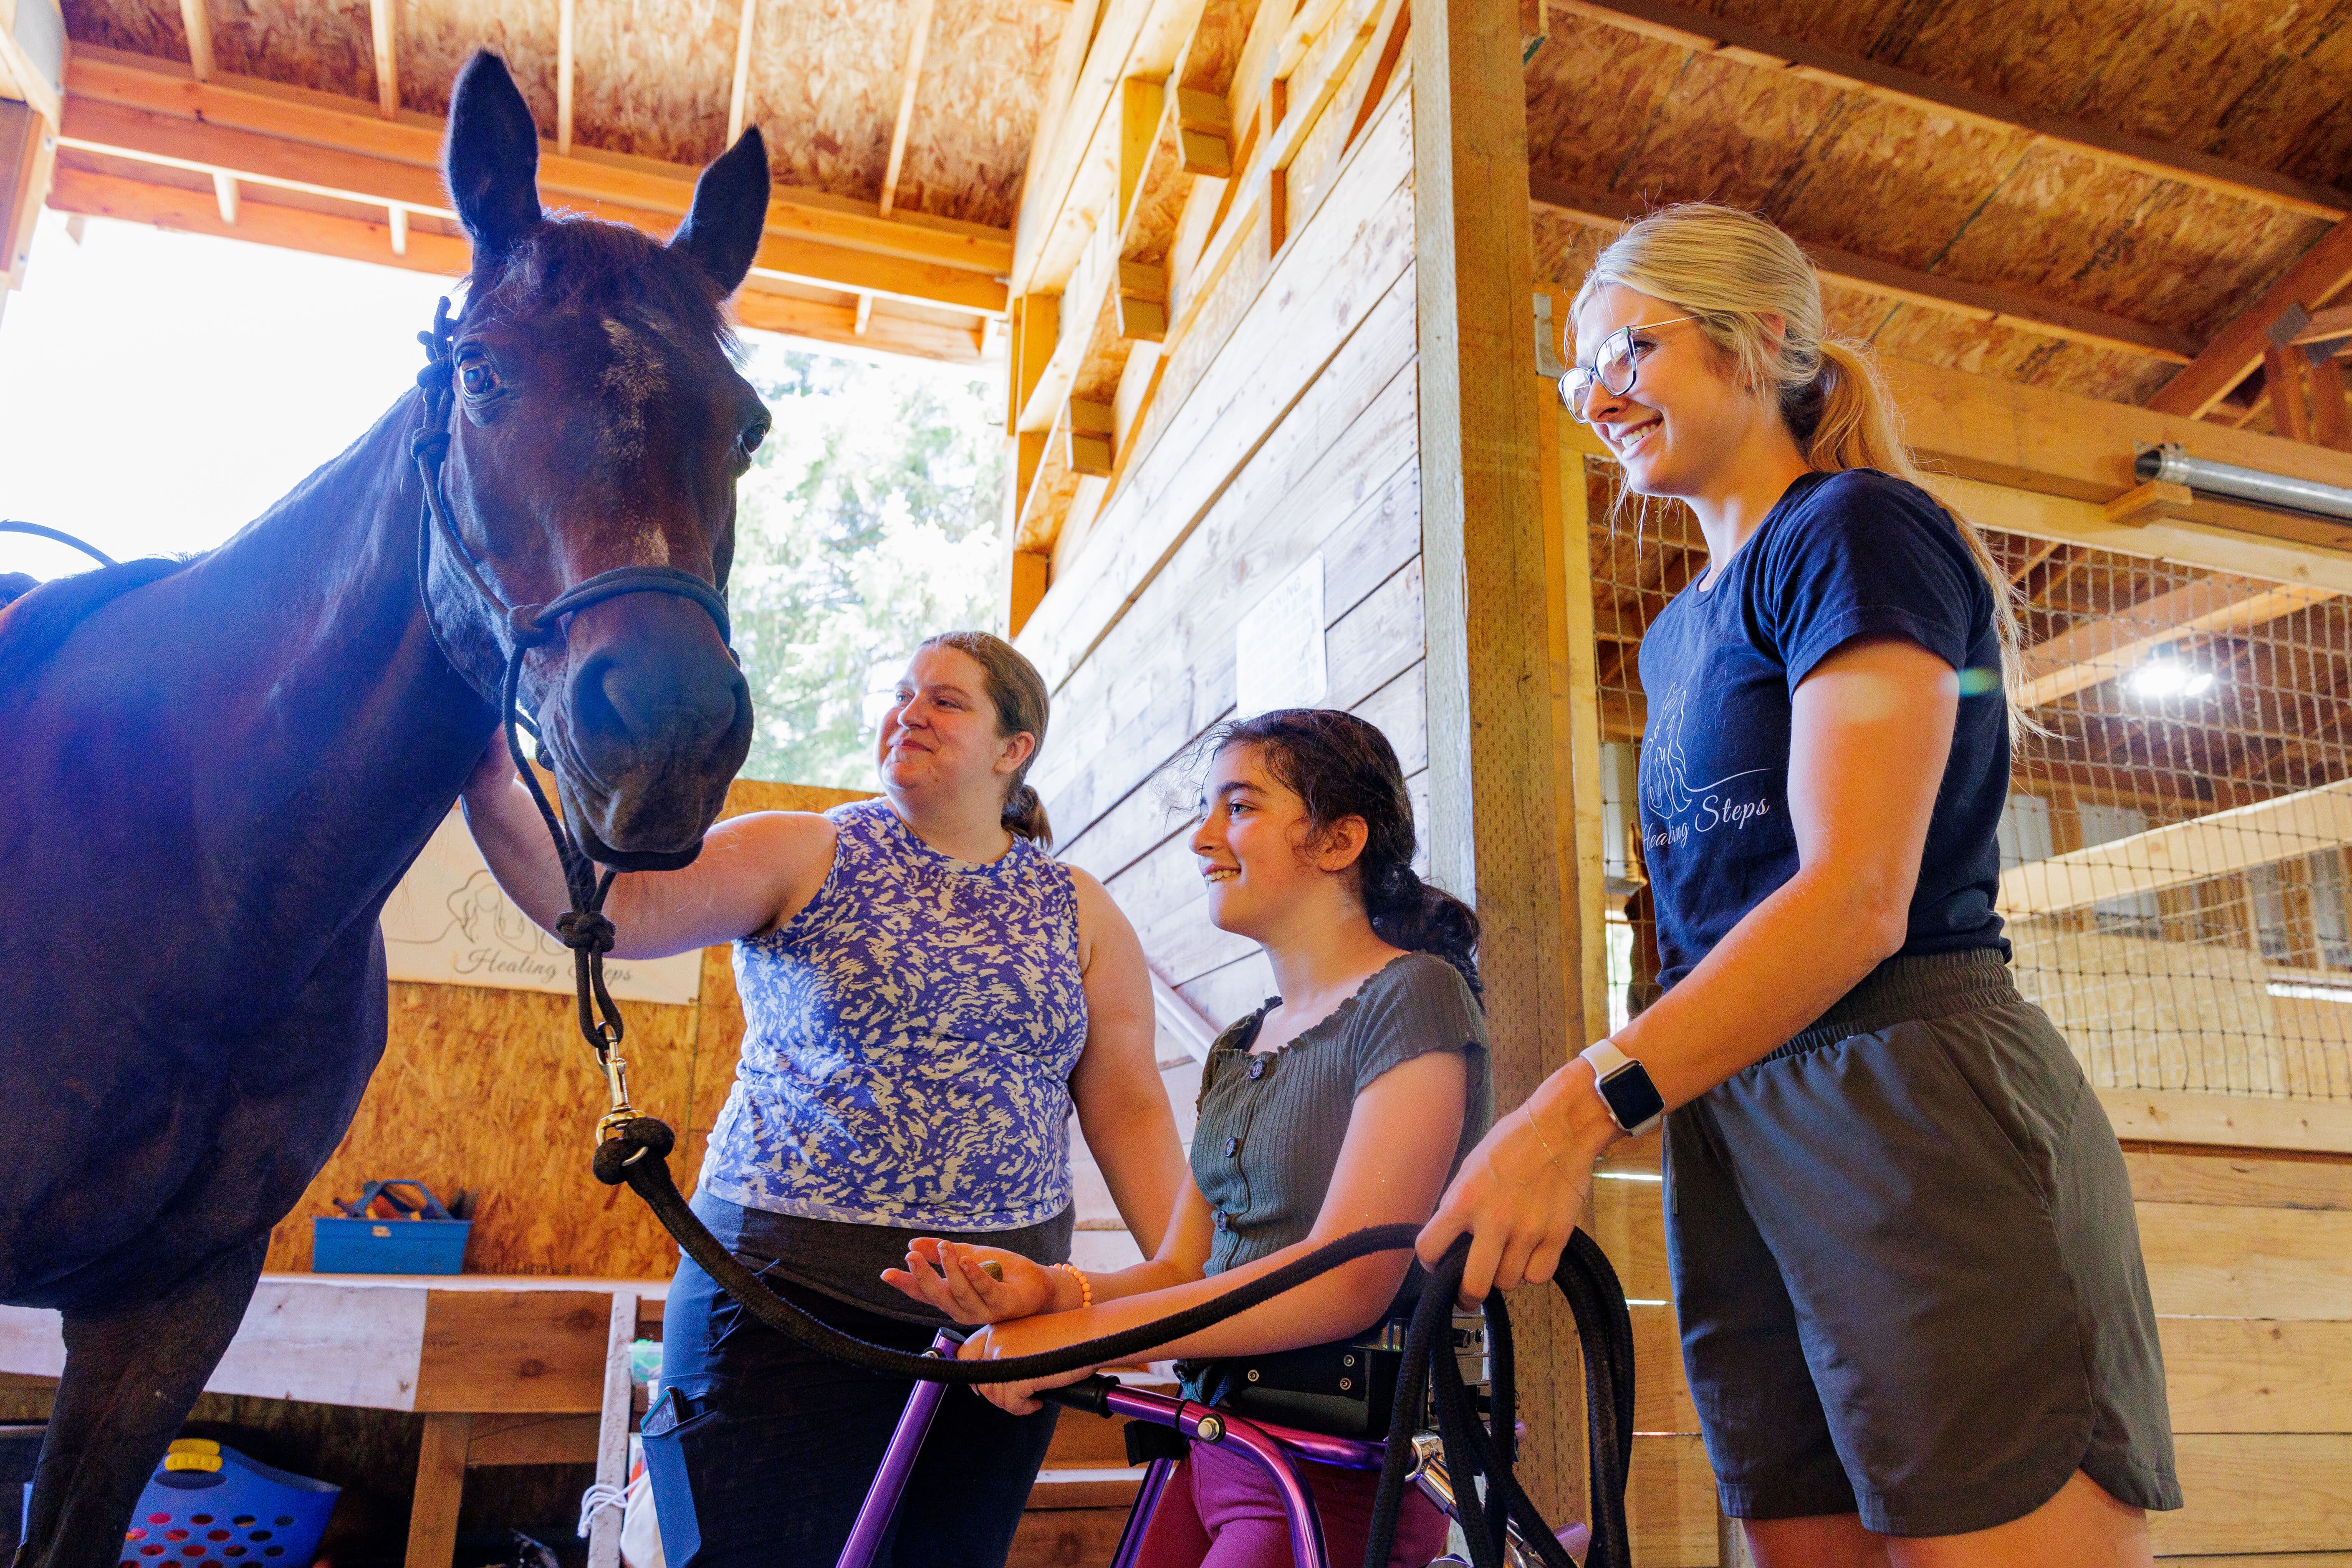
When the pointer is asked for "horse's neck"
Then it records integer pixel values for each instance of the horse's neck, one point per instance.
(351, 732)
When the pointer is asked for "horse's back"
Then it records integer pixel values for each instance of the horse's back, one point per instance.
(35, 619)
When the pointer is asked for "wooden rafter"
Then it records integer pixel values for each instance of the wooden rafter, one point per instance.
(2102, 649)
(119, 108)
(2237, 349)
(567, 30)
(383, 24)
(1951, 296)
(199, 28)
(911, 79)
(2183, 852)
(738, 94)
(1711, 35)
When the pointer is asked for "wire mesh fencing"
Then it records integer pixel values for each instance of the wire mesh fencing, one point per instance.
(2173, 851)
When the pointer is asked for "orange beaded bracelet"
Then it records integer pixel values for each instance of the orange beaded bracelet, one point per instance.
(1085, 1290)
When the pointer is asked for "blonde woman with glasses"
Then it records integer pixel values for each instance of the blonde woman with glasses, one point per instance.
(1906, 1265)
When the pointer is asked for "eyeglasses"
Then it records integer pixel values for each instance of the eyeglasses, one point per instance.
(1613, 368)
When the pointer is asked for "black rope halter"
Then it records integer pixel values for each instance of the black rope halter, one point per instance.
(584, 928)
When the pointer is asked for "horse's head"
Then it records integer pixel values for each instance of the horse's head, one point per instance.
(600, 422)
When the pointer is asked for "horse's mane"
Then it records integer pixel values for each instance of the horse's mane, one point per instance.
(33, 623)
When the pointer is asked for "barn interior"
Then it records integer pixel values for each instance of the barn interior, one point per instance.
(1274, 292)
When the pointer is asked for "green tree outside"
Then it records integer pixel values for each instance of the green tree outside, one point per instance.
(871, 518)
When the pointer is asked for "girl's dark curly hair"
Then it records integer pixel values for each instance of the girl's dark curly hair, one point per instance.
(1339, 766)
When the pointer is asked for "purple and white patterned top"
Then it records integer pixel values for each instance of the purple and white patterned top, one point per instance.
(908, 1039)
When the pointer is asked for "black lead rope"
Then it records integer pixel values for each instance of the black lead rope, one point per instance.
(635, 1149)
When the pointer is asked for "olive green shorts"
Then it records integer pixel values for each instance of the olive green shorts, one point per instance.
(1907, 1268)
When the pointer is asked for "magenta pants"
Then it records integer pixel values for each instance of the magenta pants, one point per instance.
(1220, 1510)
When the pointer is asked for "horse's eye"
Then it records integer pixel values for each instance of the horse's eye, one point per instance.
(477, 375)
(753, 434)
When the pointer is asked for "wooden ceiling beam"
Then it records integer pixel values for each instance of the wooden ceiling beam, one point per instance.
(2183, 852)
(193, 211)
(2107, 649)
(100, 75)
(1885, 280)
(382, 23)
(127, 112)
(918, 37)
(184, 211)
(1697, 30)
(2238, 348)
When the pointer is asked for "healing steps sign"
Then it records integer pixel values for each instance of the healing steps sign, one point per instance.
(448, 924)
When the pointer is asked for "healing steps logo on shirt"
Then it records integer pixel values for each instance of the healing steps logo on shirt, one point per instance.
(1678, 806)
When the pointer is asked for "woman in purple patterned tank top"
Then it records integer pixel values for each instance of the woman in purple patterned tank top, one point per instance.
(928, 996)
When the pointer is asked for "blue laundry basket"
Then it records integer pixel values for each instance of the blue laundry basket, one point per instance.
(211, 1507)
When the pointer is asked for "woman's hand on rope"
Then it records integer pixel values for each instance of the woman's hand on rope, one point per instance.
(948, 1275)
(1028, 1336)
(1517, 1197)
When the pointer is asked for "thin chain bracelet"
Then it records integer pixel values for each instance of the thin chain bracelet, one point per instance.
(1085, 1290)
(1528, 1109)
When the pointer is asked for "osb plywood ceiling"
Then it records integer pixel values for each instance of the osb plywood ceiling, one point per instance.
(654, 78)
(1825, 117)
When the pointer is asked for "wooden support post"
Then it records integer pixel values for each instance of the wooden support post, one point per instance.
(612, 1431)
(1036, 328)
(440, 1488)
(1493, 620)
(225, 196)
(399, 230)
(2282, 379)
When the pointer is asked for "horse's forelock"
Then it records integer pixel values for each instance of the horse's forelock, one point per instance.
(584, 266)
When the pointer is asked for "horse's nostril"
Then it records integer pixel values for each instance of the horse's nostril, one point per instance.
(650, 698)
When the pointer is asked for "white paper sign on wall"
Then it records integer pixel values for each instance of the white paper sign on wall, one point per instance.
(448, 924)
(1278, 646)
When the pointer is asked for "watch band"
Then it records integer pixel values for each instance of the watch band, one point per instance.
(1632, 1100)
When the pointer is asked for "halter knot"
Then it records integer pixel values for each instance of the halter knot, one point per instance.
(579, 929)
(524, 625)
(430, 445)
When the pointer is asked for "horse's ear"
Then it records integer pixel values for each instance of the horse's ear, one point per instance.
(722, 232)
(492, 161)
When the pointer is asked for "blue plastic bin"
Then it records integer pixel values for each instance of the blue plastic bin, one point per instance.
(211, 1507)
(429, 1242)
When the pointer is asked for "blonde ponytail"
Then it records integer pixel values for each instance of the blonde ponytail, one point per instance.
(1732, 272)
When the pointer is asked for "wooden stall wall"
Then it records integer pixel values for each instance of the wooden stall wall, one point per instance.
(1283, 426)
(494, 1092)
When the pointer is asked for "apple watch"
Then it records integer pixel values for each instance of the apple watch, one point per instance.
(1633, 1101)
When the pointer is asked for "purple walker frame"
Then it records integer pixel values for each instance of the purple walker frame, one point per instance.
(1270, 1446)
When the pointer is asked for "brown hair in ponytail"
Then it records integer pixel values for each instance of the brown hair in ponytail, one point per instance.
(1339, 766)
(1018, 693)
(1731, 271)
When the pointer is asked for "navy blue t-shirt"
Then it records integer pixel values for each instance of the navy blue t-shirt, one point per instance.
(1846, 555)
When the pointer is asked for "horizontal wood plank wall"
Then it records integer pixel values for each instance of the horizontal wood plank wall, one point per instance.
(2250, 1269)
(1285, 426)
(494, 1092)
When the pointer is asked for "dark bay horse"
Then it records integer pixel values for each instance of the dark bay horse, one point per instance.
(214, 771)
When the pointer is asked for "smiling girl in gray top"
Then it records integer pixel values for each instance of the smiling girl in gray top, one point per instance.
(1343, 1102)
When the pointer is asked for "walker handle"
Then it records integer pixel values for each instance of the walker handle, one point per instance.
(1091, 1395)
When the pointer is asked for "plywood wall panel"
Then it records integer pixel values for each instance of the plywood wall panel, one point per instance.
(495, 1091)
(435, 37)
